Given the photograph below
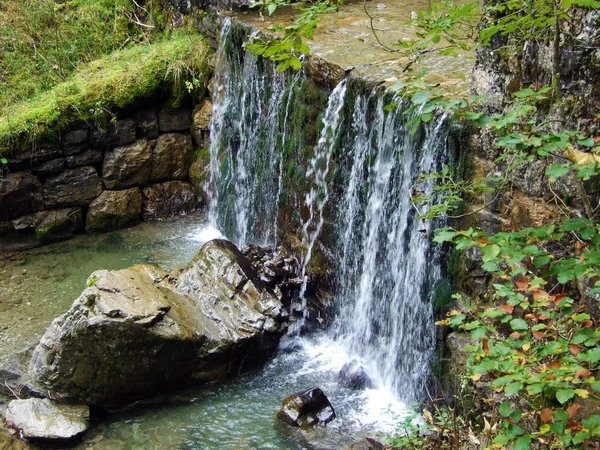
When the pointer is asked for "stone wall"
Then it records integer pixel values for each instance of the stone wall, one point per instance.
(143, 166)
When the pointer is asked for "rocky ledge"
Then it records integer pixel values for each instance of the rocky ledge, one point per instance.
(137, 331)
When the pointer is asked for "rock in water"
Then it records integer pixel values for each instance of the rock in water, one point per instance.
(354, 376)
(45, 419)
(138, 330)
(306, 409)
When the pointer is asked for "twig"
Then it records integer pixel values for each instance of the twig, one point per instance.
(371, 19)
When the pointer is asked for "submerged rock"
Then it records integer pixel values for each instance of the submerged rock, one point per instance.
(354, 376)
(135, 331)
(306, 409)
(45, 419)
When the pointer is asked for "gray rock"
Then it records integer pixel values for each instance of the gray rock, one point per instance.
(121, 132)
(114, 209)
(88, 157)
(354, 376)
(147, 123)
(51, 225)
(50, 167)
(45, 419)
(128, 166)
(165, 200)
(33, 157)
(171, 157)
(306, 409)
(201, 123)
(174, 119)
(324, 73)
(73, 187)
(20, 194)
(199, 175)
(75, 141)
(133, 332)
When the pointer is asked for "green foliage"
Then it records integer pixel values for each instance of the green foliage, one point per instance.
(286, 50)
(43, 41)
(108, 83)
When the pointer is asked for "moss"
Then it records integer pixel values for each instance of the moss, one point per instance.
(105, 85)
(442, 297)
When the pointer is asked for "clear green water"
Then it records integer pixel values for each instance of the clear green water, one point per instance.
(39, 284)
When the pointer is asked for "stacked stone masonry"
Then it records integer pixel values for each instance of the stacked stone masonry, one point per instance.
(103, 179)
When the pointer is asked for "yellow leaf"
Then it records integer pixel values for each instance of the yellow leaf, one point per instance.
(427, 415)
(476, 377)
(526, 346)
(581, 158)
(582, 393)
(545, 428)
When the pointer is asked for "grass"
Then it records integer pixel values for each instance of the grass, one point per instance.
(43, 41)
(109, 83)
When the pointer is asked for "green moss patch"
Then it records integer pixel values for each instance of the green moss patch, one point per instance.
(105, 85)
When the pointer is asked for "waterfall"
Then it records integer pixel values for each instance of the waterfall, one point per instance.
(244, 135)
(351, 173)
(319, 167)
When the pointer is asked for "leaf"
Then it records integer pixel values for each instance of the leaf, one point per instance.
(574, 349)
(513, 388)
(271, 8)
(523, 443)
(522, 283)
(557, 170)
(489, 252)
(583, 374)
(485, 346)
(564, 395)
(3, 160)
(572, 410)
(504, 409)
(546, 415)
(583, 393)
(539, 334)
(518, 324)
(507, 308)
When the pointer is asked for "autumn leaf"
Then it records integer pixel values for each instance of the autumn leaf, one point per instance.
(485, 346)
(522, 283)
(574, 349)
(484, 241)
(572, 410)
(542, 317)
(554, 364)
(516, 335)
(546, 415)
(507, 309)
(574, 426)
(540, 295)
(587, 324)
(530, 317)
(583, 374)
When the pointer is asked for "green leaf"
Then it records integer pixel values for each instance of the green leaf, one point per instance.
(518, 324)
(489, 252)
(557, 170)
(589, 142)
(3, 160)
(523, 443)
(504, 409)
(564, 395)
(271, 8)
(513, 388)
(444, 235)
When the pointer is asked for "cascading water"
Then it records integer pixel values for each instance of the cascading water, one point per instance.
(355, 182)
(243, 150)
(318, 195)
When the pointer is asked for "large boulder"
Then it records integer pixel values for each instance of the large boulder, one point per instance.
(51, 225)
(171, 157)
(306, 409)
(136, 331)
(128, 166)
(45, 419)
(169, 199)
(20, 194)
(114, 209)
(354, 376)
(73, 187)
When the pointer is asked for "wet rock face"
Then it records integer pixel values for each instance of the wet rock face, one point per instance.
(172, 157)
(45, 419)
(73, 187)
(306, 409)
(114, 209)
(20, 194)
(136, 331)
(354, 376)
(168, 199)
(128, 166)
